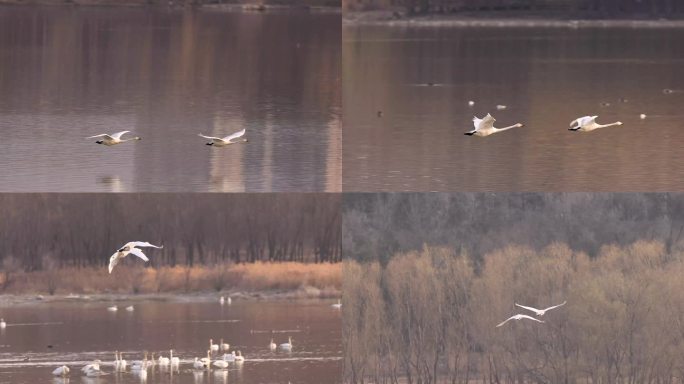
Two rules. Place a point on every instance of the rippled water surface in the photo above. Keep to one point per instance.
(77, 333)
(167, 75)
(422, 79)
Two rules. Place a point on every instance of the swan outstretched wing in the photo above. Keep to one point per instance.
(506, 321)
(139, 253)
(143, 244)
(214, 139)
(234, 135)
(486, 122)
(113, 261)
(118, 135)
(535, 310)
(105, 135)
(530, 317)
(555, 306)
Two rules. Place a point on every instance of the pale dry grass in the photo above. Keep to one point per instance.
(310, 279)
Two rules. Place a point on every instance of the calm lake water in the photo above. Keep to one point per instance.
(167, 75)
(545, 77)
(81, 332)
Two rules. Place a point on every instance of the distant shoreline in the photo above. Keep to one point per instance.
(11, 300)
(322, 6)
(394, 19)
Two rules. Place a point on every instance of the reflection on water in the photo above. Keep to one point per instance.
(167, 75)
(422, 79)
(75, 334)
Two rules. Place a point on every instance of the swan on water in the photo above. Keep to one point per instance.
(519, 317)
(213, 347)
(130, 248)
(174, 360)
(3, 324)
(230, 139)
(130, 308)
(541, 312)
(485, 126)
(287, 346)
(113, 139)
(239, 358)
(224, 346)
(61, 371)
(272, 346)
(642, 116)
(337, 305)
(220, 364)
(471, 103)
(198, 364)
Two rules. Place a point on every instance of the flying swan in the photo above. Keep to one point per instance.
(222, 142)
(113, 139)
(519, 317)
(540, 312)
(588, 124)
(130, 248)
(485, 126)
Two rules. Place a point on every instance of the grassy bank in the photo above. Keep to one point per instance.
(294, 279)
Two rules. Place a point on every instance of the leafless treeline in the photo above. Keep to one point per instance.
(596, 8)
(376, 226)
(430, 317)
(39, 231)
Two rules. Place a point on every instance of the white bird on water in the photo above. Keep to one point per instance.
(337, 305)
(230, 139)
(224, 346)
(3, 324)
(485, 126)
(239, 358)
(588, 124)
(174, 360)
(272, 346)
(541, 312)
(130, 248)
(213, 347)
(287, 346)
(198, 364)
(130, 308)
(113, 308)
(113, 139)
(61, 371)
(519, 317)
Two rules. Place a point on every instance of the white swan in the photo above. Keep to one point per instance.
(130, 308)
(198, 364)
(485, 126)
(222, 142)
(119, 363)
(224, 346)
(239, 358)
(588, 124)
(287, 346)
(471, 103)
(213, 347)
(113, 308)
(229, 300)
(541, 312)
(130, 248)
(3, 325)
(61, 371)
(140, 364)
(222, 300)
(113, 139)
(163, 361)
(338, 305)
(519, 317)
(174, 360)
(230, 357)
(272, 346)
(642, 116)
(95, 365)
(220, 364)
(501, 107)
(207, 360)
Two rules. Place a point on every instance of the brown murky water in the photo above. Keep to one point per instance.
(545, 77)
(82, 332)
(167, 75)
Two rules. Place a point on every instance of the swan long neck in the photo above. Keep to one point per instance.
(506, 128)
(608, 125)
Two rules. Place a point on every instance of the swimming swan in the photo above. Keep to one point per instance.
(61, 371)
(287, 346)
(128, 248)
